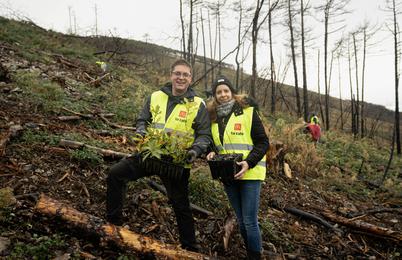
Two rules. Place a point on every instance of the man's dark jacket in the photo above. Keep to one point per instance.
(201, 124)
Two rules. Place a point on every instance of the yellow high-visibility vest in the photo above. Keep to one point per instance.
(314, 120)
(181, 119)
(237, 139)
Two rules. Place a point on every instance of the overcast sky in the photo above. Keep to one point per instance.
(159, 22)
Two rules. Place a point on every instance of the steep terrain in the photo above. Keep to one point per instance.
(46, 77)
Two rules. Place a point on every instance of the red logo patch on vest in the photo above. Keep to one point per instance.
(237, 127)
(182, 114)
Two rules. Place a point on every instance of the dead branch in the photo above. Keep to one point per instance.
(78, 116)
(64, 61)
(104, 152)
(162, 189)
(375, 211)
(116, 125)
(69, 118)
(122, 237)
(365, 227)
(96, 82)
(229, 226)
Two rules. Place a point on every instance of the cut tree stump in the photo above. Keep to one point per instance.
(122, 237)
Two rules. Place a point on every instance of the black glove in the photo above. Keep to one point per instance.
(191, 155)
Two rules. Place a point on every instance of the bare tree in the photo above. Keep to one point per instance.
(394, 8)
(318, 87)
(205, 53)
(272, 6)
(210, 47)
(357, 111)
(96, 21)
(183, 30)
(217, 7)
(239, 7)
(303, 9)
(254, 39)
(331, 9)
(368, 32)
(351, 90)
(338, 56)
(293, 52)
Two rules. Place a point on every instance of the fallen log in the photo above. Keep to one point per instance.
(104, 152)
(122, 237)
(365, 227)
(194, 207)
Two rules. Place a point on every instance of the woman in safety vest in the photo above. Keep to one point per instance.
(237, 128)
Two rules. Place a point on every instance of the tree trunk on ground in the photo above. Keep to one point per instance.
(122, 237)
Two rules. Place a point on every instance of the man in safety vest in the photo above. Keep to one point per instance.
(172, 116)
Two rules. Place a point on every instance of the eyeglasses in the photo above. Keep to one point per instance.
(181, 74)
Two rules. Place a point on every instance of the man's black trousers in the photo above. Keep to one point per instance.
(128, 169)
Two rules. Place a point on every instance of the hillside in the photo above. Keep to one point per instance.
(51, 89)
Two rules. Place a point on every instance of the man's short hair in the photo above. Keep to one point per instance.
(181, 62)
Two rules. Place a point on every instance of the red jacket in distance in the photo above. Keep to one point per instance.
(315, 131)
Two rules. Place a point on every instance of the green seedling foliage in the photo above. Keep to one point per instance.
(157, 143)
(39, 247)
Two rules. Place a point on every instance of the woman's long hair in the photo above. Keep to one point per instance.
(241, 99)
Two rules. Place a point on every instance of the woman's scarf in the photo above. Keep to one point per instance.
(224, 109)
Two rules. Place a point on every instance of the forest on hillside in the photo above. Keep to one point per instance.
(64, 121)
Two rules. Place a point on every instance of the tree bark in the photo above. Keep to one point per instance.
(122, 237)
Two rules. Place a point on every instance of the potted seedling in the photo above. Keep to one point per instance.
(161, 152)
(223, 166)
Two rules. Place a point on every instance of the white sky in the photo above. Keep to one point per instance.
(160, 20)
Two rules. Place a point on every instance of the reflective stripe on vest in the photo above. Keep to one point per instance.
(237, 139)
(181, 119)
